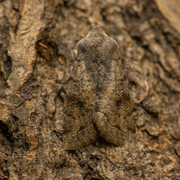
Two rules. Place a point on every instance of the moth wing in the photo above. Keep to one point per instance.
(79, 129)
(113, 115)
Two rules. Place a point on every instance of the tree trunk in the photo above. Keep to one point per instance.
(37, 51)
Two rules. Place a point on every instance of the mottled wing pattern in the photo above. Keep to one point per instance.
(98, 99)
(113, 112)
(79, 126)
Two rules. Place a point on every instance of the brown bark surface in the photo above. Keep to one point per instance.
(37, 51)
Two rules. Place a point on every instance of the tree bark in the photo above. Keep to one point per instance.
(37, 51)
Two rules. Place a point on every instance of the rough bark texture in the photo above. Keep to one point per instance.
(37, 50)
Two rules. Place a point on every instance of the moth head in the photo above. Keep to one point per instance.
(98, 45)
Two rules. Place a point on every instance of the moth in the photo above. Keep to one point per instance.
(98, 102)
